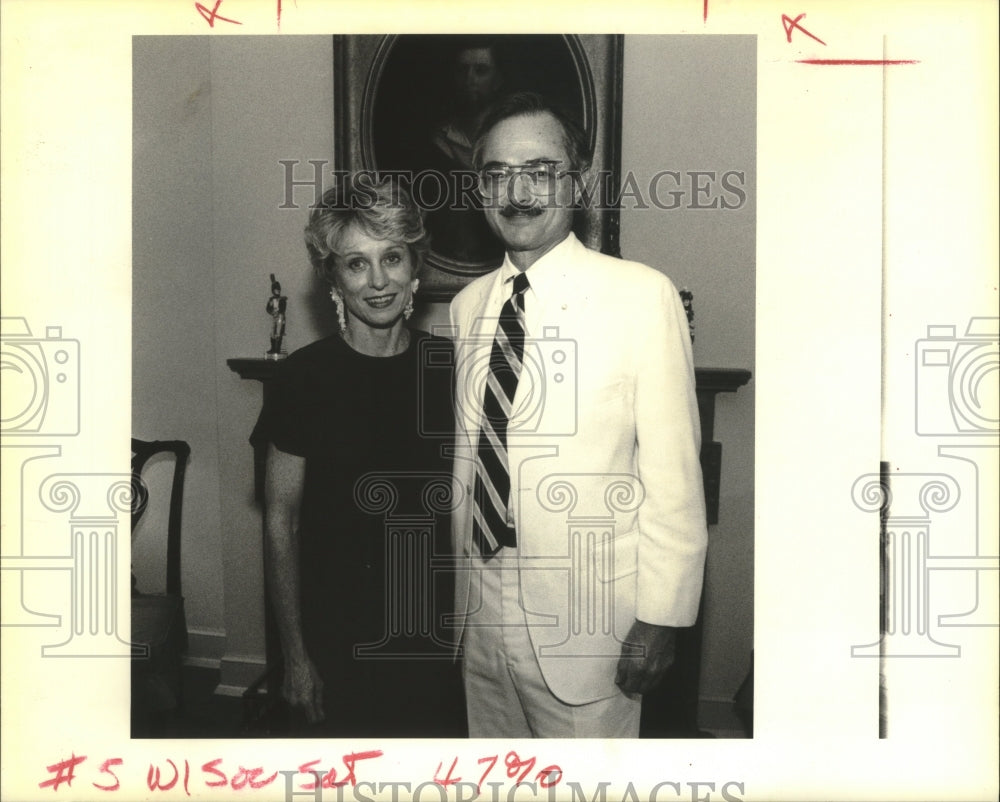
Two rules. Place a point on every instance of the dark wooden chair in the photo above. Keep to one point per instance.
(159, 628)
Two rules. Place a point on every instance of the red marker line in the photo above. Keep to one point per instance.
(878, 62)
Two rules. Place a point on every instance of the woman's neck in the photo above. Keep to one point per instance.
(377, 342)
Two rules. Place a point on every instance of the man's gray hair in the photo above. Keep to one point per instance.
(526, 104)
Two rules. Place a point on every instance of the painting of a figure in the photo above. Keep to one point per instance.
(412, 104)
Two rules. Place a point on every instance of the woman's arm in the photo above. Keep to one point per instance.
(285, 478)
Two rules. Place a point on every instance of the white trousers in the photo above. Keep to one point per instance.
(506, 694)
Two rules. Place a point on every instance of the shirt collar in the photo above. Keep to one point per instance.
(546, 275)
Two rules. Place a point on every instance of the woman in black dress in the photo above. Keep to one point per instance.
(359, 487)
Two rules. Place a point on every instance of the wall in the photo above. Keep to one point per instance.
(174, 362)
(213, 118)
(689, 104)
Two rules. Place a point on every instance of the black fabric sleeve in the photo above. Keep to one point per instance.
(282, 418)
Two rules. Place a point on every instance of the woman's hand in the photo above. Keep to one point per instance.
(302, 687)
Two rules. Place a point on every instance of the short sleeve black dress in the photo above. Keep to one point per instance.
(375, 568)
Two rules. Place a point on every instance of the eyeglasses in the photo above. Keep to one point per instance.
(541, 175)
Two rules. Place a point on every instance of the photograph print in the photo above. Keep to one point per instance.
(249, 348)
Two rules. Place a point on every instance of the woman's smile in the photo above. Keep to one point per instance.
(381, 301)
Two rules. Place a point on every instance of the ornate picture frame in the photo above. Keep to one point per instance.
(392, 98)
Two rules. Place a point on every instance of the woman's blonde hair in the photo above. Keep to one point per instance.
(379, 205)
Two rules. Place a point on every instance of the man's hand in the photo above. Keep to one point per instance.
(302, 687)
(647, 653)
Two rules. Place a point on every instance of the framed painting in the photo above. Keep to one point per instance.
(409, 104)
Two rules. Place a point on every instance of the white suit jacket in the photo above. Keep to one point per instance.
(603, 444)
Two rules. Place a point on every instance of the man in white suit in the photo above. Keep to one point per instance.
(569, 614)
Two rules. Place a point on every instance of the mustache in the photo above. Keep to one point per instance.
(517, 210)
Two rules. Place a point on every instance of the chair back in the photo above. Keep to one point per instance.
(142, 451)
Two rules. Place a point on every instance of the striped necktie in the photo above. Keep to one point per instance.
(490, 529)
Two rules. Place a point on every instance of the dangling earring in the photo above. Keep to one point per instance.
(338, 301)
(408, 309)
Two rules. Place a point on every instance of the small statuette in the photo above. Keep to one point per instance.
(276, 309)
